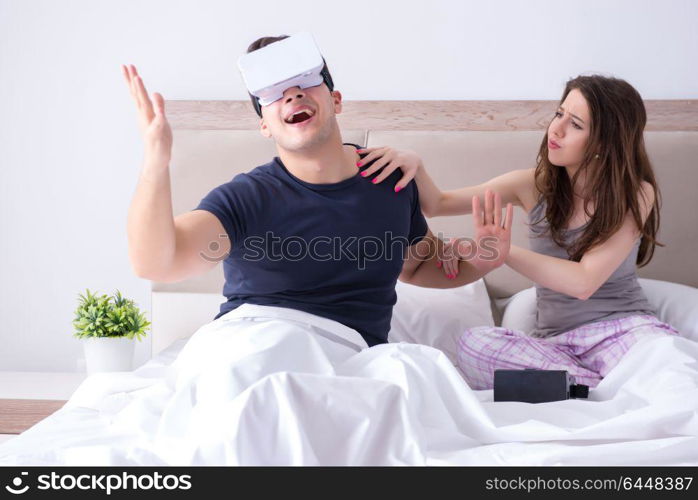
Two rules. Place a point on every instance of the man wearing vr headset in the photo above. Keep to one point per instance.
(313, 193)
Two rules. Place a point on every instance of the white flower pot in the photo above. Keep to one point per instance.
(108, 354)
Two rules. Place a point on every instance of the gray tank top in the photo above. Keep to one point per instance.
(557, 313)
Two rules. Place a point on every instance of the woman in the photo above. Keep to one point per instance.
(593, 210)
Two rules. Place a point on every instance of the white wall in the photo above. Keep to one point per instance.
(70, 150)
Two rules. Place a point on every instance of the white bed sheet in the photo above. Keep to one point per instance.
(266, 385)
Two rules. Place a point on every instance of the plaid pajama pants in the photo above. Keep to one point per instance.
(588, 352)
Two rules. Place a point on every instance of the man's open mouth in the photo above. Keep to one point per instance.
(300, 116)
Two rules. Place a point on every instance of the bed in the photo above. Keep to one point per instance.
(405, 402)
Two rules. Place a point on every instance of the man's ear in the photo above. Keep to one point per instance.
(337, 100)
(263, 129)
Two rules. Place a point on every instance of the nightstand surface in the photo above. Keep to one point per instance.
(28, 397)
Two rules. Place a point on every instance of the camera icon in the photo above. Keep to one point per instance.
(17, 483)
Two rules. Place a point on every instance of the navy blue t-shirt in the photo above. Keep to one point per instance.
(334, 250)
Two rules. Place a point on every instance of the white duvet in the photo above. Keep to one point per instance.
(270, 386)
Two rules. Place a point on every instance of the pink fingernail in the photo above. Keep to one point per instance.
(374, 180)
(397, 188)
(364, 174)
(358, 163)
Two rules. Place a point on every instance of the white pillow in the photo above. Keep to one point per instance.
(675, 304)
(520, 311)
(437, 317)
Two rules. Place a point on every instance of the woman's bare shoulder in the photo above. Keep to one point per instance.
(526, 188)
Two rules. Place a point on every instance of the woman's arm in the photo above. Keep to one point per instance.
(582, 279)
(516, 187)
(431, 198)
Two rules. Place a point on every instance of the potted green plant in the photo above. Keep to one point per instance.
(108, 325)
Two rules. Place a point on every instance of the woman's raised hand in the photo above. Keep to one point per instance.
(492, 242)
(492, 231)
(156, 131)
(388, 159)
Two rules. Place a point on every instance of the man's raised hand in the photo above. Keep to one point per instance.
(156, 131)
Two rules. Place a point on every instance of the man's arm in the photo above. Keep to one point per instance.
(150, 225)
(487, 252)
(166, 248)
(420, 266)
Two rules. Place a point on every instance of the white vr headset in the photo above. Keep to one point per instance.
(292, 62)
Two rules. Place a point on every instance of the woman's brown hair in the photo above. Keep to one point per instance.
(613, 178)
